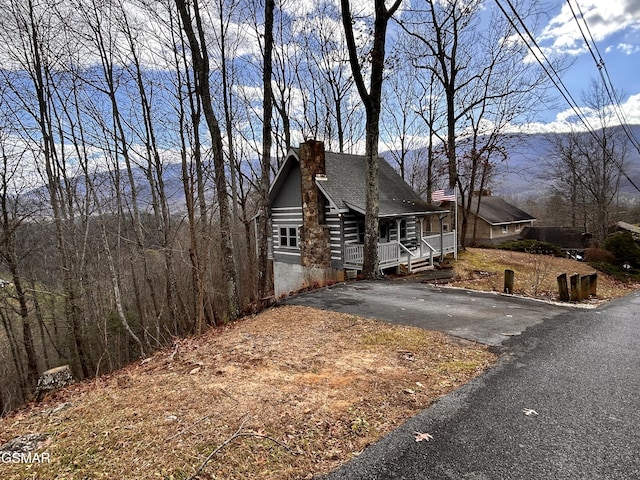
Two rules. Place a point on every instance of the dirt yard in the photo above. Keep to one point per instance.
(535, 275)
(287, 394)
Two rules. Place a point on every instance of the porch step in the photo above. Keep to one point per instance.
(417, 266)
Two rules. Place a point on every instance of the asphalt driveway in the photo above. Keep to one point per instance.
(562, 403)
(488, 318)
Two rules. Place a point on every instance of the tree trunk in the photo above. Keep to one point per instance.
(264, 288)
(372, 102)
(200, 59)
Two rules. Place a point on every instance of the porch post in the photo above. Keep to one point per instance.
(398, 249)
(441, 218)
(420, 236)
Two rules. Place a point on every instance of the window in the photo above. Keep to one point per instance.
(361, 231)
(289, 237)
(505, 228)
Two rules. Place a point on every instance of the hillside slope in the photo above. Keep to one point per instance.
(294, 391)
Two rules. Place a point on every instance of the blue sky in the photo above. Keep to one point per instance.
(615, 27)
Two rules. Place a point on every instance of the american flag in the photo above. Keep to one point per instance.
(448, 195)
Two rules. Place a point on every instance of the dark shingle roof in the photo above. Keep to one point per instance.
(345, 186)
(496, 211)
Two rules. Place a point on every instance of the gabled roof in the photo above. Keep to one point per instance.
(628, 227)
(496, 211)
(344, 185)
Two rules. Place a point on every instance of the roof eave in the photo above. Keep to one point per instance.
(276, 184)
(332, 203)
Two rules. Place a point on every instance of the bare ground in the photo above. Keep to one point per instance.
(304, 390)
(287, 394)
(535, 275)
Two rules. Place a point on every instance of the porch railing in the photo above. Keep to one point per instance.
(392, 253)
(388, 254)
(448, 243)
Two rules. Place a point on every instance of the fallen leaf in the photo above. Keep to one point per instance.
(423, 436)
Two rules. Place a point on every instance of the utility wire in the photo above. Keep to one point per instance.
(555, 78)
(543, 61)
(604, 74)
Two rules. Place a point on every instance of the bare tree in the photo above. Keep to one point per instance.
(404, 129)
(194, 30)
(37, 52)
(12, 214)
(590, 164)
(372, 98)
(325, 82)
(563, 170)
(486, 84)
(265, 159)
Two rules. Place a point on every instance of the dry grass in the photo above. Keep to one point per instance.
(305, 389)
(308, 389)
(535, 275)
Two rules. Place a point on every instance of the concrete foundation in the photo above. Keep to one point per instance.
(290, 278)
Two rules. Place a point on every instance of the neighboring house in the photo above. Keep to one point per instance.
(625, 227)
(317, 207)
(495, 220)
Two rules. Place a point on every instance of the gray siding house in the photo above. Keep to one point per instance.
(495, 220)
(317, 206)
(492, 220)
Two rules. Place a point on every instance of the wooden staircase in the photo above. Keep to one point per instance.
(416, 266)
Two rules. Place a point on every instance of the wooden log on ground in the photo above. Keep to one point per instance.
(563, 287)
(574, 281)
(54, 379)
(509, 280)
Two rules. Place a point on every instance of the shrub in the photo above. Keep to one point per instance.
(599, 255)
(617, 272)
(624, 248)
(531, 246)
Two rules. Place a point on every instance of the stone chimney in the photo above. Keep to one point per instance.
(315, 243)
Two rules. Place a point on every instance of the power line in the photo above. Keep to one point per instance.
(604, 74)
(556, 80)
(544, 62)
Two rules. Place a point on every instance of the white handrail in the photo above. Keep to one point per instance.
(407, 250)
(428, 245)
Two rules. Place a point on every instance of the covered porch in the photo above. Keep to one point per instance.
(413, 255)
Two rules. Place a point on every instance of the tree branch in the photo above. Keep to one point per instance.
(238, 433)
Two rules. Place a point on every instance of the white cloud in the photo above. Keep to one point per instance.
(567, 120)
(603, 19)
(631, 109)
(628, 49)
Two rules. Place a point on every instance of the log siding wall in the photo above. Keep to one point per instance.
(285, 217)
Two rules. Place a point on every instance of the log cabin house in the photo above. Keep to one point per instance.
(317, 207)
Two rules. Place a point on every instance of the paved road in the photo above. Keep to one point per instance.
(488, 318)
(579, 371)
